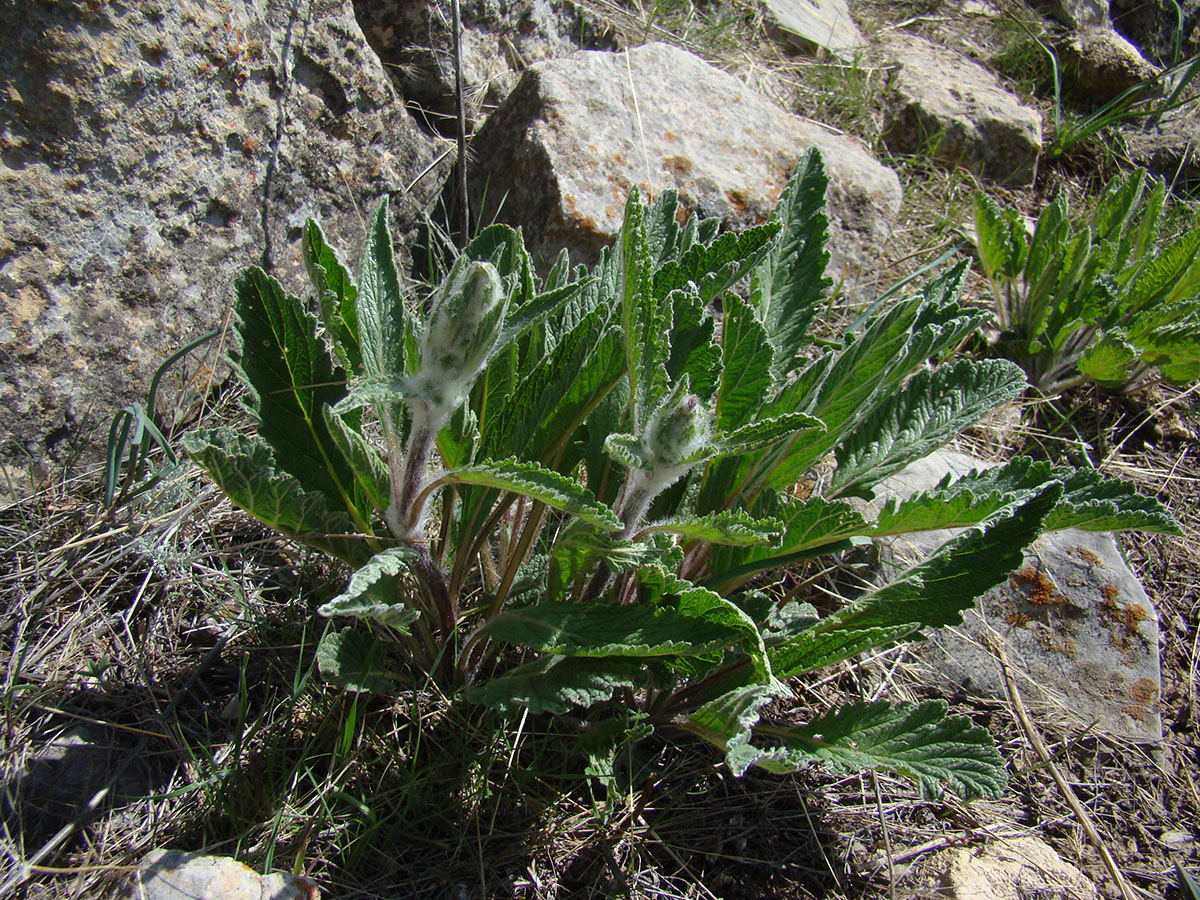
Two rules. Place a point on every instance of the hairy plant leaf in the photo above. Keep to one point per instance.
(544, 485)
(643, 317)
(246, 471)
(809, 524)
(384, 324)
(933, 407)
(337, 295)
(916, 740)
(761, 433)
(1089, 501)
(714, 267)
(931, 594)
(371, 474)
(291, 377)
(728, 721)
(735, 528)
(375, 591)
(557, 684)
(789, 283)
(693, 353)
(354, 660)
(1110, 361)
(581, 548)
(746, 376)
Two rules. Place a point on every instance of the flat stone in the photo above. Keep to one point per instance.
(1079, 631)
(809, 25)
(562, 153)
(954, 109)
(151, 150)
(1013, 869)
(175, 875)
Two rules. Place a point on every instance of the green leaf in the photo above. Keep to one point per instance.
(811, 524)
(375, 591)
(1000, 244)
(746, 377)
(354, 660)
(384, 324)
(932, 408)
(916, 740)
(544, 485)
(727, 722)
(789, 283)
(581, 548)
(371, 474)
(1089, 501)
(761, 433)
(643, 317)
(1110, 361)
(558, 684)
(735, 528)
(931, 594)
(548, 404)
(693, 353)
(337, 295)
(627, 450)
(291, 377)
(246, 471)
(717, 266)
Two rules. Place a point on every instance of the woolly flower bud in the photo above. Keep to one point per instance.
(463, 328)
(677, 430)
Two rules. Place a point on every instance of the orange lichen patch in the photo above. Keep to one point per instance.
(1135, 712)
(677, 165)
(1066, 646)
(1110, 592)
(1019, 619)
(1041, 589)
(1086, 555)
(738, 201)
(1127, 615)
(1143, 691)
(670, 137)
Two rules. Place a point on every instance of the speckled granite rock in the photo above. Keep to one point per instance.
(562, 153)
(150, 150)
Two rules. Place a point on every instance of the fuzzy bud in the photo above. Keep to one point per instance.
(677, 430)
(461, 333)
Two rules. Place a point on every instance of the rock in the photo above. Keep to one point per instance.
(578, 133)
(149, 151)
(1152, 26)
(808, 25)
(1169, 148)
(1078, 13)
(957, 111)
(174, 875)
(1101, 64)
(1079, 630)
(1013, 869)
(415, 40)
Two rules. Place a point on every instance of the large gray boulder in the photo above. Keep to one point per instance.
(150, 150)
(954, 109)
(1101, 64)
(561, 154)
(1078, 629)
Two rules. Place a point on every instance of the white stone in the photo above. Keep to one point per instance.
(809, 24)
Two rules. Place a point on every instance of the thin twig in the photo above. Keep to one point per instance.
(1035, 740)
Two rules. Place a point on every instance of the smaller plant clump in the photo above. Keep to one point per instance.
(1104, 300)
(567, 495)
